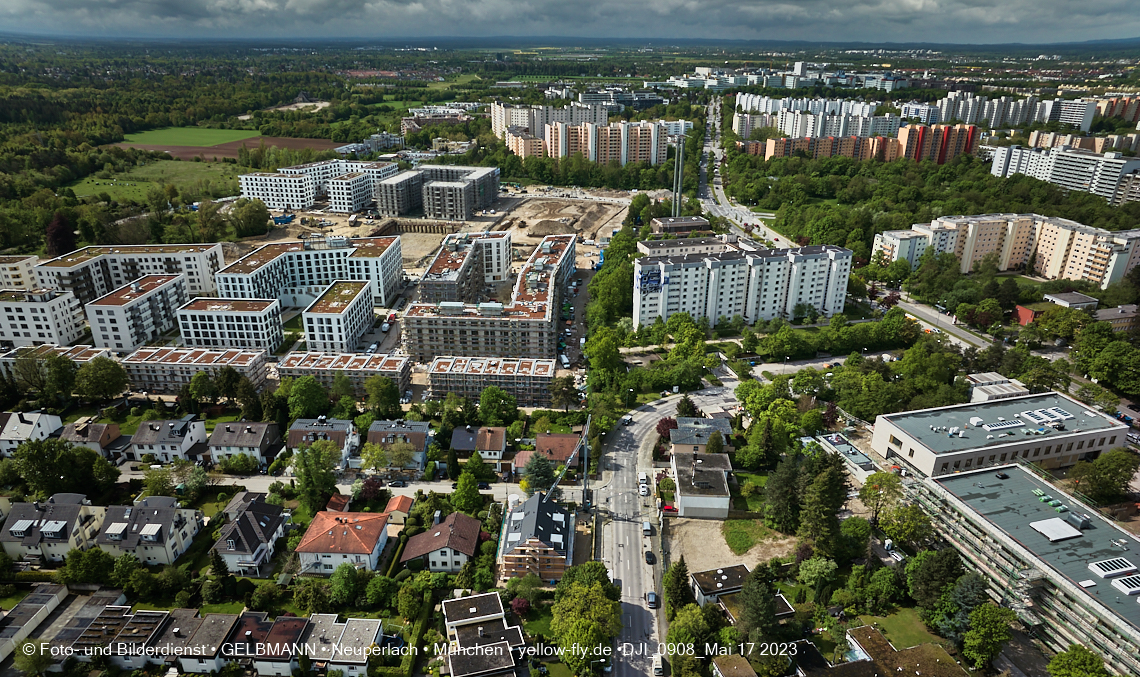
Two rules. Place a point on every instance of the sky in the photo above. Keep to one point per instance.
(912, 21)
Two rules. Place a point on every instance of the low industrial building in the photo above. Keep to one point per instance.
(527, 380)
(166, 370)
(990, 386)
(249, 324)
(336, 320)
(1049, 429)
(357, 366)
(39, 316)
(538, 539)
(138, 313)
(702, 485)
(678, 224)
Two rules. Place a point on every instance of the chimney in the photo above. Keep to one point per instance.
(480, 630)
(436, 520)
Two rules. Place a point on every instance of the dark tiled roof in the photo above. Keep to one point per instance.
(489, 632)
(252, 628)
(254, 525)
(482, 439)
(284, 636)
(310, 429)
(490, 659)
(416, 432)
(540, 520)
(213, 631)
(458, 532)
(245, 434)
(57, 514)
(90, 432)
(154, 517)
(163, 432)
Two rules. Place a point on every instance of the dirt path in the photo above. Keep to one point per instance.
(704, 548)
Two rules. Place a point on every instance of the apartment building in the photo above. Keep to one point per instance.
(762, 284)
(350, 193)
(535, 118)
(336, 320)
(1070, 573)
(938, 143)
(258, 440)
(1122, 318)
(92, 272)
(296, 273)
(279, 191)
(17, 427)
(539, 540)
(901, 244)
(465, 265)
(926, 113)
(138, 313)
(624, 142)
(528, 380)
(1071, 169)
(52, 528)
(79, 354)
(454, 193)
(400, 194)
(18, 272)
(804, 124)
(682, 247)
(34, 317)
(522, 143)
(156, 530)
(166, 370)
(744, 123)
(181, 440)
(251, 324)
(527, 327)
(357, 366)
(306, 431)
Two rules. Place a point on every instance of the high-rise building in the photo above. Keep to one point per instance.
(622, 141)
(137, 313)
(535, 118)
(1069, 168)
(757, 285)
(926, 113)
(92, 272)
(939, 143)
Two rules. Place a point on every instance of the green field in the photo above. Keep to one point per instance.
(191, 136)
(133, 185)
(903, 628)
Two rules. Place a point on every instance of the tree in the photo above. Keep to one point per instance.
(528, 587)
(1106, 479)
(60, 236)
(249, 217)
(665, 425)
(373, 456)
(539, 473)
(315, 468)
(383, 396)
(675, 583)
(497, 407)
(381, 591)
(757, 605)
(1077, 661)
(817, 571)
(819, 521)
(907, 524)
(202, 388)
(227, 380)
(989, 629)
(264, 596)
(781, 497)
(125, 566)
(408, 602)
(344, 585)
(39, 462)
(564, 392)
(686, 408)
(715, 444)
(312, 596)
(584, 618)
(218, 566)
(307, 398)
(341, 386)
(466, 496)
(33, 657)
(880, 490)
(159, 482)
(477, 468)
(930, 573)
(688, 627)
(100, 379)
(587, 574)
(91, 566)
(453, 468)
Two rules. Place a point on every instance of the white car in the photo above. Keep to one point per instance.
(643, 490)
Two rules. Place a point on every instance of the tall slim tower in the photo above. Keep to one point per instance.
(679, 175)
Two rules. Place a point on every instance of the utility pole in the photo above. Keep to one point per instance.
(679, 176)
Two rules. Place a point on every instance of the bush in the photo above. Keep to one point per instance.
(34, 576)
(7, 590)
(416, 565)
(241, 464)
(402, 576)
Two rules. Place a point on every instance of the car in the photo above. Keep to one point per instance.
(651, 598)
(643, 490)
(385, 327)
(627, 420)
(650, 558)
(397, 483)
(455, 485)
(483, 486)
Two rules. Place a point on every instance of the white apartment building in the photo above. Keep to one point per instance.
(279, 191)
(801, 124)
(169, 440)
(744, 123)
(1072, 169)
(137, 313)
(349, 193)
(39, 316)
(758, 285)
(926, 113)
(326, 170)
(297, 272)
(338, 318)
(92, 272)
(1058, 248)
(231, 323)
(18, 272)
(757, 103)
(535, 118)
(166, 370)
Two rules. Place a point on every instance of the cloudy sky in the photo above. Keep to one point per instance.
(941, 21)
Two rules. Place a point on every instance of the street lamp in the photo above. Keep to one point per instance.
(785, 366)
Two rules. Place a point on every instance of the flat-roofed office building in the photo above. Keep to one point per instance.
(231, 323)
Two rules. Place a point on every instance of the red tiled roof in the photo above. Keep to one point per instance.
(400, 504)
(345, 532)
(458, 532)
(338, 503)
(556, 447)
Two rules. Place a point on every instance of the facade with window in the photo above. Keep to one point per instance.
(92, 272)
(52, 528)
(39, 316)
(155, 530)
(334, 538)
(166, 370)
(447, 545)
(338, 318)
(137, 313)
(251, 324)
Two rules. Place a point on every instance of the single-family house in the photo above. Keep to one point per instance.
(692, 434)
(156, 530)
(281, 647)
(248, 639)
(240, 502)
(702, 484)
(98, 437)
(732, 665)
(447, 545)
(259, 440)
(248, 542)
(386, 433)
(539, 539)
(210, 638)
(334, 538)
(306, 431)
(338, 503)
(398, 509)
(490, 443)
(17, 427)
(50, 529)
(352, 656)
(323, 637)
(558, 448)
(709, 585)
(168, 440)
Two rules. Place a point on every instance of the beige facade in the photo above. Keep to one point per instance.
(524, 144)
(527, 380)
(17, 272)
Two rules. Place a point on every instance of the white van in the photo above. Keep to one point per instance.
(642, 478)
(646, 529)
(658, 665)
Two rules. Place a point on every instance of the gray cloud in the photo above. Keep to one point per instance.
(959, 21)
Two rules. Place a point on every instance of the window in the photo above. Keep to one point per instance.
(1037, 450)
(1003, 458)
(1080, 445)
(895, 441)
(1112, 440)
(1101, 442)
(1068, 448)
(945, 467)
(910, 453)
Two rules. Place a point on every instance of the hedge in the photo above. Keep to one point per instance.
(35, 576)
(408, 661)
(395, 563)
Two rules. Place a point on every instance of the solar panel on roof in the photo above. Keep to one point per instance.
(1003, 425)
(1129, 585)
(1060, 413)
(1110, 568)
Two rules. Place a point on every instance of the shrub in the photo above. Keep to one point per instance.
(416, 565)
(402, 576)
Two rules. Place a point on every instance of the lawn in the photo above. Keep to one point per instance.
(12, 600)
(559, 670)
(755, 502)
(212, 423)
(741, 535)
(223, 608)
(294, 323)
(903, 628)
(134, 184)
(538, 620)
(191, 136)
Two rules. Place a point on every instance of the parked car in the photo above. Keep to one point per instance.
(651, 598)
(644, 490)
(650, 558)
(397, 483)
(483, 486)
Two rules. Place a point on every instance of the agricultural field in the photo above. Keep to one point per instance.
(191, 136)
(135, 184)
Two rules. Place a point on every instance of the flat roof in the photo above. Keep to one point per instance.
(87, 253)
(16, 259)
(199, 357)
(338, 297)
(700, 479)
(79, 353)
(1006, 419)
(344, 362)
(23, 295)
(492, 366)
(135, 290)
(218, 305)
(725, 579)
(466, 609)
(1011, 507)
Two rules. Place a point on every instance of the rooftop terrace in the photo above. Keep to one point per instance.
(216, 305)
(338, 297)
(87, 253)
(198, 357)
(491, 366)
(345, 361)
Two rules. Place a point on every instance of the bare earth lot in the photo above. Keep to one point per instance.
(704, 548)
(230, 150)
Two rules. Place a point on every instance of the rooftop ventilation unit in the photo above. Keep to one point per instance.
(1111, 568)
(1079, 521)
(1129, 585)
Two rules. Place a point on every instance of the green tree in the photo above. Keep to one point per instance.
(584, 618)
(264, 596)
(341, 386)
(202, 388)
(688, 627)
(315, 467)
(931, 573)
(477, 468)
(675, 584)
(38, 462)
(539, 473)
(817, 571)
(307, 398)
(989, 629)
(373, 456)
(781, 497)
(880, 490)
(564, 392)
(757, 605)
(907, 524)
(249, 217)
(312, 596)
(100, 379)
(381, 591)
(91, 566)
(218, 566)
(715, 444)
(497, 407)
(1077, 661)
(466, 496)
(587, 574)
(344, 586)
(1106, 479)
(408, 602)
(125, 566)
(823, 499)
(453, 468)
(686, 408)
(159, 482)
(383, 396)
(33, 657)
